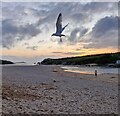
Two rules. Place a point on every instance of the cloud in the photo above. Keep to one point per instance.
(109, 40)
(78, 49)
(32, 47)
(57, 52)
(79, 18)
(8, 27)
(13, 33)
(26, 20)
(8, 41)
(49, 16)
(41, 41)
(96, 7)
(74, 53)
(76, 34)
(26, 44)
(69, 53)
(105, 33)
(105, 25)
(29, 29)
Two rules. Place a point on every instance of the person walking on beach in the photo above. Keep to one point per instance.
(95, 72)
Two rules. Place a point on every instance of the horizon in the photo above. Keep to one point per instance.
(61, 57)
(27, 29)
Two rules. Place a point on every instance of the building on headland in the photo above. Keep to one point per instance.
(118, 63)
(111, 65)
(93, 64)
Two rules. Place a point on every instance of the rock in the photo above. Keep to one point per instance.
(55, 70)
(51, 111)
(54, 81)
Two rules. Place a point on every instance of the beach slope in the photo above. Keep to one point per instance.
(50, 90)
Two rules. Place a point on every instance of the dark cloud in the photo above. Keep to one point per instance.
(13, 33)
(83, 32)
(41, 41)
(79, 17)
(104, 34)
(74, 53)
(69, 53)
(50, 16)
(73, 36)
(57, 52)
(8, 27)
(29, 29)
(105, 25)
(76, 34)
(76, 11)
(16, 11)
(109, 40)
(26, 44)
(32, 47)
(8, 41)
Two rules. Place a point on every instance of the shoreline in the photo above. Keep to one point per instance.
(50, 90)
(112, 78)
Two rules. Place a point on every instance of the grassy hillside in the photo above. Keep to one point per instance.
(5, 62)
(100, 59)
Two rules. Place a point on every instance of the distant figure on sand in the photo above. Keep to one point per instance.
(59, 28)
(95, 72)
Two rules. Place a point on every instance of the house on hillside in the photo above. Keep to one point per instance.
(118, 62)
(93, 64)
(111, 65)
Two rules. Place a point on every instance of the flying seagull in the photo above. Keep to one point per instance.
(59, 28)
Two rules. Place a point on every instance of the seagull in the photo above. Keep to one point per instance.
(59, 28)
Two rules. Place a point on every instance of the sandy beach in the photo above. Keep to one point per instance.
(50, 90)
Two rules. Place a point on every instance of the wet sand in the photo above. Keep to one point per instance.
(51, 90)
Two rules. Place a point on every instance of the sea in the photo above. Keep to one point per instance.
(91, 70)
(79, 69)
(18, 64)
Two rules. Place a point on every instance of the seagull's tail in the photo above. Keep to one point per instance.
(64, 27)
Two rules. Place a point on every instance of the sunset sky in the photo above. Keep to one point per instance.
(27, 28)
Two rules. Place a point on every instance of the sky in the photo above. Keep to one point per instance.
(27, 28)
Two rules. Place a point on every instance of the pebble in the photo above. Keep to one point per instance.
(56, 101)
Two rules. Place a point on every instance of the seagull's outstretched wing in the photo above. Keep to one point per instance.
(59, 24)
(64, 27)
